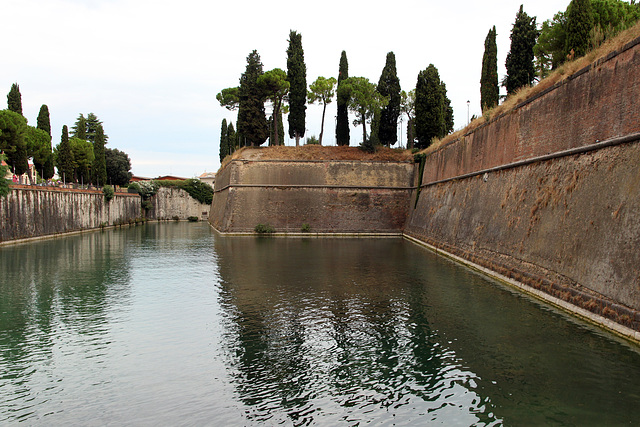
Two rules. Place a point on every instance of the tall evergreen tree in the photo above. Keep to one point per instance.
(519, 64)
(99, 163)
(14, 99)
(579, 25)
(224, 143)
(79, 129)
(447, 111)
(430, 111)
(389, 86)
(342, 119)
(489, 90)
(297, 77)
(232, 138)
(64, 159)
(44, 121)
(252, 122)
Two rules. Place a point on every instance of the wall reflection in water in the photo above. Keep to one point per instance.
(361, 330)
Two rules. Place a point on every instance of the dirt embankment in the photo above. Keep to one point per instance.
(319, 152)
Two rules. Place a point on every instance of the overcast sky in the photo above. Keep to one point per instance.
(150, 69)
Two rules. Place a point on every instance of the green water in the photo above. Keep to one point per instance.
(171, 324)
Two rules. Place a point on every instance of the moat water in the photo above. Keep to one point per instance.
(172, 324)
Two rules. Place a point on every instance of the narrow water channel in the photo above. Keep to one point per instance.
(172, 324)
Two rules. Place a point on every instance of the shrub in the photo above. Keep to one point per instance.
(193, 219)
(147, 205)
(108, 192)
(197, 189)
(312, 140)
(306, 228)
(264, 229)
(176, 218)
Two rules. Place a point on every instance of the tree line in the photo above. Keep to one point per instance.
(378, 105)
(536, 52)
(81, 158)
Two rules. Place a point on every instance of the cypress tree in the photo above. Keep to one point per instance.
(489, 91)
(79, 129)
(224, 140)
(64, 161)
(430, 111)
(232, 139)
(447, 111)
(519, 64)
(389, 86)
(252, 122)
(579, 25)
(99, 162)
(297, 77)
(14, 99)
(342, 120)
(43, 121)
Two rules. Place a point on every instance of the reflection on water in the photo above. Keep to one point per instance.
(172, 324)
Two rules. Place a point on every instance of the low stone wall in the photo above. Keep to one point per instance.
(329, 196)
(171, 203)
(29, 211)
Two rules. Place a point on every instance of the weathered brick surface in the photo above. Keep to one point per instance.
(568, 226)
(33, 211)
(332, 196)
(599, 103)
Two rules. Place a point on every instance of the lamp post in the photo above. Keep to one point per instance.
(468, 103)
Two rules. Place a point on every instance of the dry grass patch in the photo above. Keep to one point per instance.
(319, 152)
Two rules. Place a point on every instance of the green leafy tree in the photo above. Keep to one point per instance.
(13, 129)
(4, 183)
(118, 166)
(252, 122)
(229, 98)
(297, 77)
(489, 90)
(93, 125)
(363, 99)
(519, 64)
(43, 122)
(549, 50)
(275, 86)
(609, 18)
(224, 143)
(14, 99)
(342, 119)
(447, 111)
(389, 87)
(83, 158)
(39, 148)
(429, 107)
(99, 168)
(322, 90)
(64, 157)
(408, 107)
(579, 25)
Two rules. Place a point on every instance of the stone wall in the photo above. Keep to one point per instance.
(171, 203)
(567, 223)
(29, 211)
(329, 196)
